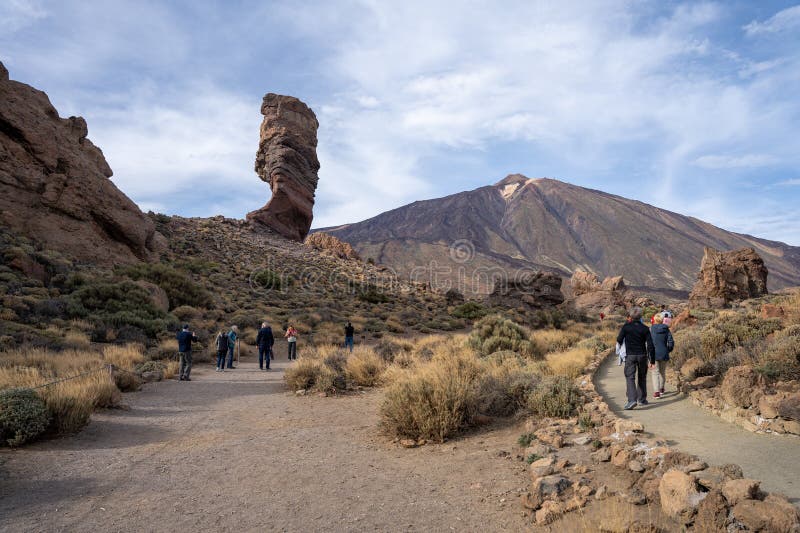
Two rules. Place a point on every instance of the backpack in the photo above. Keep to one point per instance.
(222, 342)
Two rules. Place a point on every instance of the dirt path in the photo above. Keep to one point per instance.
(236, 452)
(773, 459)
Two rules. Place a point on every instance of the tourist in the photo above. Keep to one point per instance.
(221, 343)
(185, 338)
(638, 348)
(264, 341)
(349, 332)
(663, 343)
(291, 337)
(232, 338)
(667, 317)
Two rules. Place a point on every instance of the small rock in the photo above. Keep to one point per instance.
(695, 466)
(300, 392)
(712, 513)
(602, 493)
(622, 426)
(636, 497)
(549, 512)
(772, 514)
(679, 495)
(603, 455)
(635, 466)
(561, 464)
(541, 467)
(408, 443)
(736, 490)
(620, 457)
(582, 441)
(580, 469)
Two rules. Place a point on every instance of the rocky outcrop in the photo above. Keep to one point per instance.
(287, 160)
(329, 244)
(54, 186)
(534, 290)
(726, 277)
(589, 294)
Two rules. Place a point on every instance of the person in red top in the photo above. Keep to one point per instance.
(291, 337)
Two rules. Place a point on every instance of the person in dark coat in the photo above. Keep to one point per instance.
(185, 338)
(663, 343)
(349, 333)
(639, 350)
(264, 340)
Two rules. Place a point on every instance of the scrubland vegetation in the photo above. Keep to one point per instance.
(741, 336)
(439, 385)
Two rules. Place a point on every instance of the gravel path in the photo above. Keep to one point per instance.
(234, 451)
(773, 459)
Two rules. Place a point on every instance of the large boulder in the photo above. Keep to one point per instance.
(287, 160)
(55, 187)
(591, 295)
(738, 386)
(726, 277)
(772, 515)
(583, 282)
(535, 290)
(679, 495)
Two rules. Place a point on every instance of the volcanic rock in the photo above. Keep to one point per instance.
(589, 294)
(287, 160)
(726, 277)
(327, 243)
(535, 290)
(54, 186)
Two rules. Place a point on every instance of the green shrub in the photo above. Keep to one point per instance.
(525, 440)
(178, 286)
(372, 295)
(23, 416)
(469, 311)
(267, 279)
(780, 359)
(495, 333)
(555, 397)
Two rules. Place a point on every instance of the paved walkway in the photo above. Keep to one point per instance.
(773, 459)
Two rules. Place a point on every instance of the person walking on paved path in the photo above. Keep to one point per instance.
(291, 337)
(349, 332)
(264, 340)
(663, 343)
(639, 349)
(185, 338)
(232, 337)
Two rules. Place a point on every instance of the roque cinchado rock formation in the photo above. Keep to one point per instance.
(729, 276)
(54, 185)
(287, 160)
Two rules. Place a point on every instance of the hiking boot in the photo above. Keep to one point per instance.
(662, 390)
(643, 402)
(187, 379)
(656, 395)
(629, 406)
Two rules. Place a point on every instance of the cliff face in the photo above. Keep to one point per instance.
(287, 160)
(54, 185)
(522, 224)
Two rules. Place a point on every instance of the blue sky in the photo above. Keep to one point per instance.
(690, 106)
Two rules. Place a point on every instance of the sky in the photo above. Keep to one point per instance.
(689, 106)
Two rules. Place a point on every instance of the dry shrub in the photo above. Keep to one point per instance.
(505, 383)
(365, 367)
(556, 340)
(570, 363)
(556, 397)
(495, 333)
(248, 336)
(388, 348)
(77, 339)
(166, 349)
(322, 369)
(171, 369)
(435, 400)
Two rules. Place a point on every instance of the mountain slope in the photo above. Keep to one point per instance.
(522, 223)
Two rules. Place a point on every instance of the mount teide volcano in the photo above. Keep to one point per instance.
(522, 223)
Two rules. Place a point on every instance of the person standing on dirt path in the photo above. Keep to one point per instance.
(185, 338)
(291, 338)
(349, 333)
(264, 340)
(663, 343)
(638, 349)
(222, 349)
(232, 336)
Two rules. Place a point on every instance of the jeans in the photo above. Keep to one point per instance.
(221, 358)
(659, 376)
(230, 355)
(348, 343)
(264, 354)
(292, 350)
(636, 377)
(186, 365)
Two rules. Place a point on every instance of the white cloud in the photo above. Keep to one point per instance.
(17, 14)
(794, 182)
(785, 20)
(734, 161)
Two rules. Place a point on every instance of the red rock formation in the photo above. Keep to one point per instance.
(287, 160)
(590, 295)
(54, 186)
(327, 243)
(729, 276)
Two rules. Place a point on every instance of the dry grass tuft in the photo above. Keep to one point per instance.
(569, 363)
(365, 367)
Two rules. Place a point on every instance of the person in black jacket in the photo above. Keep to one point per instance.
(185, 338)
(639, 350)
(264, 340)
(349, 332)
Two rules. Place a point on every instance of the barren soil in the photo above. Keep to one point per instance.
(235, 451)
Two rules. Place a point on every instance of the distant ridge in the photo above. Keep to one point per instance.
(523, 223)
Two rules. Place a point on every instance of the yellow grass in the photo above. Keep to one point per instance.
(123, 356)
(77, 339)
(171, 369)
(556, 340)
(365, 367)
(569, 363)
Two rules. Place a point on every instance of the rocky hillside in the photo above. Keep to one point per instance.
(520, 223)
(55, 186)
